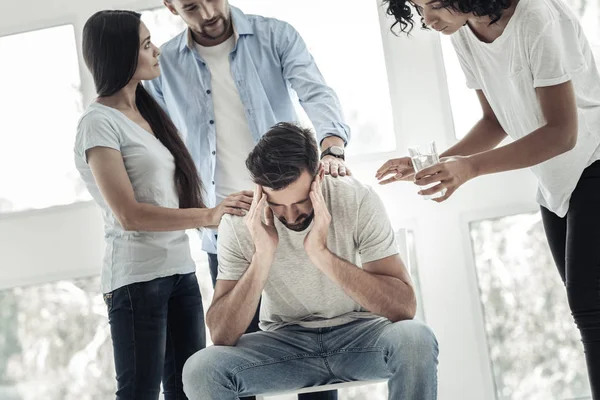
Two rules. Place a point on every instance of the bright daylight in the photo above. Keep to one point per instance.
(313, 200)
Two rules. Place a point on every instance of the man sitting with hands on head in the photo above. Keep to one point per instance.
(337, 301)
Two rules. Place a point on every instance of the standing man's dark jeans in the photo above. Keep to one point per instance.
(155, 327)
(213, 264)
(575, 244)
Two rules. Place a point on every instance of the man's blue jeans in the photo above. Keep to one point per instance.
(293, 357)
(213, 264)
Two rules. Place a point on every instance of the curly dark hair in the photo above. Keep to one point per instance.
(402, 12)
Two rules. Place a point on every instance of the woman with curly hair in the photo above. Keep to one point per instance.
(536, 79)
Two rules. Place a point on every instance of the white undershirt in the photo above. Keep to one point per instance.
(234, 139)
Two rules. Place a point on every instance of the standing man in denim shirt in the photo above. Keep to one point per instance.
(225, 82)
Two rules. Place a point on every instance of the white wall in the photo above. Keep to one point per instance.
(66, 241)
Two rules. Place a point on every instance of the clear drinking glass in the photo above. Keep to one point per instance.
(424, 156)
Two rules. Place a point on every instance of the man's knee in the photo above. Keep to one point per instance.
(413, 342)
(202, 368)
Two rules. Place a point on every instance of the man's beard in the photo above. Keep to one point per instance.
(300, 226)
(226, 24)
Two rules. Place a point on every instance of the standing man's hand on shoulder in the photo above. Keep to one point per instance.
(334, 163)
(264, 235)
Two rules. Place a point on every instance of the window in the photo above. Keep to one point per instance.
(41, 90)
(588, 12)
(533, 343)
(55, 342)
(162, 24)
(354, 67)
(466, 110)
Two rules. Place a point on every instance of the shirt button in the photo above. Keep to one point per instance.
(213, 182)
(211, 122)
(208, 91)
(214, 152)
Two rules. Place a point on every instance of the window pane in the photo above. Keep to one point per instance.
(360, 81)
(466, 110)
(41, 91)
(588, 12)
(55, 342)
(533, 342)
(162, 24)
(55, 339)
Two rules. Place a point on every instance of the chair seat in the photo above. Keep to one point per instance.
(322, 388)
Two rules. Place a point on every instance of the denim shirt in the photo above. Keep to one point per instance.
(268, 59)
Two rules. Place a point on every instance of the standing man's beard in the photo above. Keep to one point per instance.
(226, 25)
(305, 221)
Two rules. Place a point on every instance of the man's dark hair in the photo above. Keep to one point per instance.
(402, 12)
(282, 155)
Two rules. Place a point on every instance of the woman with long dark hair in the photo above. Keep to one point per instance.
(536, 79)
(138, 170)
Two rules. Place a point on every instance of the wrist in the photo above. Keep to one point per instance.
(264, 256)
(475, 162)
(319, 256)
(204, 217)
(332, 141)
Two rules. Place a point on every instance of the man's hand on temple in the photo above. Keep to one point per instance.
(264, 235)
(316, 240)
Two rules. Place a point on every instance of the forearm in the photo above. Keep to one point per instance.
(383, 295)
(151, 218)
(324, 111)
(229, 316)
(539, 146)
(484, 136)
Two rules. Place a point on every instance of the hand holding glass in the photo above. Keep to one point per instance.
(425, 156)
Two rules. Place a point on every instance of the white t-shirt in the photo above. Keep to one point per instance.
(296, 291)
(131, 256)
(542, 45)
(234, 139)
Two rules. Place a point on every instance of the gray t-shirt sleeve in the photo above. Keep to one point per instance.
(96, 130)
(376, 238)
(232, 263)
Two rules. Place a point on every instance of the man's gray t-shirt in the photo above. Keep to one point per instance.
(296, 291)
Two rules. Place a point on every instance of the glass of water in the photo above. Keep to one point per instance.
(424, 156)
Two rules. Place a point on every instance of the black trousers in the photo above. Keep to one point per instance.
(575, 245)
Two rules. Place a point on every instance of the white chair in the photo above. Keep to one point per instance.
(323, 388)
(403, 250)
